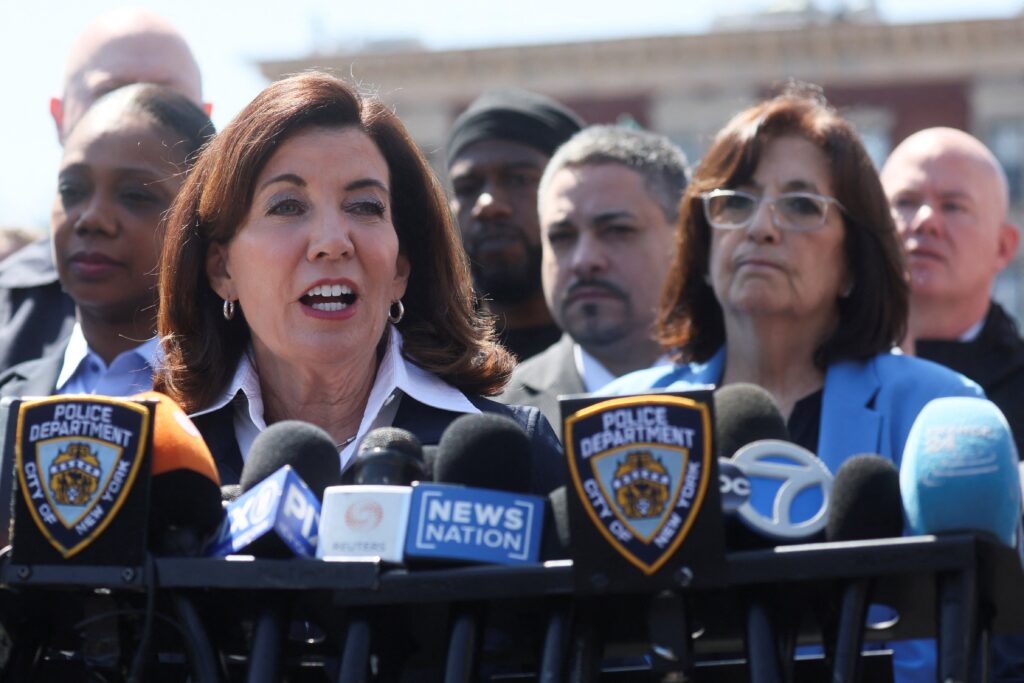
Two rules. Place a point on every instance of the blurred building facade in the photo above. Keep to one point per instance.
(889, 79)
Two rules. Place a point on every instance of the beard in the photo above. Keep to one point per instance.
(507, 282)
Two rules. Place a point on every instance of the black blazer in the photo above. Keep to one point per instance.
(548, 467)
(36, 316)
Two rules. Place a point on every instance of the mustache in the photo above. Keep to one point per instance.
(597, 283)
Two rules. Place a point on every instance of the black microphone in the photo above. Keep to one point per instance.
(367, 512)
(389, 456)
(746, 414)
(311, 453)
(866, 504)
(484, 451)
(308, 449)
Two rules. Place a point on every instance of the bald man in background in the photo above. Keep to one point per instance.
(950, 201)
(122, 47)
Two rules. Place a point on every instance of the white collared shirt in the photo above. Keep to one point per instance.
(594, 374)
(84, 372)
(395, 377)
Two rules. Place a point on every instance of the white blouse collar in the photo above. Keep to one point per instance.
(395, 376)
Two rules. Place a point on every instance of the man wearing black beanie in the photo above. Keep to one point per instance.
(496, 153)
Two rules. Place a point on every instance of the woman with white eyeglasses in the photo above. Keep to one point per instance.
(788, 274)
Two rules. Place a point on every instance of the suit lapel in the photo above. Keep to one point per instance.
(218, 430)
(43, 381)
(849, 423)
(559, 374)
(36, 378)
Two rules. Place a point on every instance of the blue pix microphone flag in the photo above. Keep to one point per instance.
(960, 471)
(281, 508)
(450, 522)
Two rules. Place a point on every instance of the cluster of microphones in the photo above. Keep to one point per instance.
(467, 501)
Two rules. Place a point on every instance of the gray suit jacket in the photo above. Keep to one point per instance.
(540, 380)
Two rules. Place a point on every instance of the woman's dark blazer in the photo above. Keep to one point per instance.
(548, 466)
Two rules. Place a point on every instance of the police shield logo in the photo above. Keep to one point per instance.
(641, 468)
(77, 458)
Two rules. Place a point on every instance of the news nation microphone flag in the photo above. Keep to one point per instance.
(645, 478)
(82, 468)
(451, 522)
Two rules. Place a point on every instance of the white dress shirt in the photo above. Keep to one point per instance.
(84, 372)
(594, 374)
(396, 377)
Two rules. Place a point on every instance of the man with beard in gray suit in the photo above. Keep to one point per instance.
(608, 203)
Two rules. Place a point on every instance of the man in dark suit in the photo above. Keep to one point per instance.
(950, 201)
(123, 47)
(608, 202)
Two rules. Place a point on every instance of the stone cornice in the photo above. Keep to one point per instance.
(834, 53)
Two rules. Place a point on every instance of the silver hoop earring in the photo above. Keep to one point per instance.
(229, 309)
(396, 317)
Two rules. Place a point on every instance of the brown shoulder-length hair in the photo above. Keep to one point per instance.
(873, 317)
(442, 331)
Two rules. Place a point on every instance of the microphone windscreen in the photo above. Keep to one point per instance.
(866, 500)
(959, 470)
(185, 489)
(486, 451)
(745, 413)
(392, 438)
(388, 455)
(309, 449)
(230, 492)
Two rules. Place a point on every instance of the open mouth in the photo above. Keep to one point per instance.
(329, 298)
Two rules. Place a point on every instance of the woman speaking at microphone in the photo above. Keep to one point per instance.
(788, 274)
(311, 270)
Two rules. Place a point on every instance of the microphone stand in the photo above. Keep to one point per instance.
(267, 642)
(556, 641)
(355, 657)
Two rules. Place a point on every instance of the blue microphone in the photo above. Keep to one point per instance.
(959, 473)
(448, 522)
(278, 513)
(279, 516)
(471, 515)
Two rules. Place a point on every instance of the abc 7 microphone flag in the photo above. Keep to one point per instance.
(647, 502)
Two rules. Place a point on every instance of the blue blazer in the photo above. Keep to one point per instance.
(867, 407)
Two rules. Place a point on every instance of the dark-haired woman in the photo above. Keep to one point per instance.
(312, 271)
(788, 274)
(123, 164)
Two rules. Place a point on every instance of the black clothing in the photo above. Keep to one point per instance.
(804, 422)
(548, 466)
(994, 359)
(36, 316)
(525, 342)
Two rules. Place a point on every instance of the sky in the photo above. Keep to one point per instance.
(229, 37)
